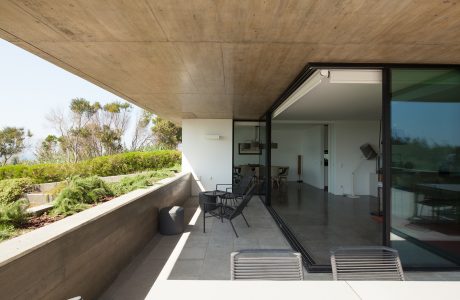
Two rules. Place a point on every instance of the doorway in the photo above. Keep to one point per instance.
(332, 122)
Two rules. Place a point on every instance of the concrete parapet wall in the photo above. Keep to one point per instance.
(82, 254)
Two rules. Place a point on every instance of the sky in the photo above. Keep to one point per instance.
(31, 87)
(436, 122)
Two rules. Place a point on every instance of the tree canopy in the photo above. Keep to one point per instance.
(12, 142)
(167, 135)
(88, 129)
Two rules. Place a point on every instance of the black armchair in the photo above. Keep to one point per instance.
(236, 191)
(231, 213)
(208, 204)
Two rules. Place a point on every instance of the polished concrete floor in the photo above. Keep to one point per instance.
(322, 221)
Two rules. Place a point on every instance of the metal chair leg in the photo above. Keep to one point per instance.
(233, 228)
(204, 221)
(245, 219)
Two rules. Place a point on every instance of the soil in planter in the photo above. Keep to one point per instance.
(39, 221)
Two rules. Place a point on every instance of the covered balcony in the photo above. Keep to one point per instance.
(204, 64)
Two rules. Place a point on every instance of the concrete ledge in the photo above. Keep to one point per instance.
(82, 254)
(333, 290)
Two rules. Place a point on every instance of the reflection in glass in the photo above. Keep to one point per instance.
(425, 166)
(247, 149)
(262, 160)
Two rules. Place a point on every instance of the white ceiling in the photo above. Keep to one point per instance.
(337, 102)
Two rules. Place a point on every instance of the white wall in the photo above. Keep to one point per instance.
(345, 156)
(210, 161)
(299, 139)
(313, 156)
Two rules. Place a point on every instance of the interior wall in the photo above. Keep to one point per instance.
(313, 156)
(209, 160)
(243, 134)
(346, 157)
(299, 139)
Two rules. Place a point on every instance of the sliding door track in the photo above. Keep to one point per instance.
(308, 261)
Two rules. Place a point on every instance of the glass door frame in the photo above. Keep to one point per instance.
(233, 141)
(306, 72)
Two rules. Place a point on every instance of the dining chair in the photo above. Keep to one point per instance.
(283, 175)
(275, 172)
(366, 263)
(266, 264)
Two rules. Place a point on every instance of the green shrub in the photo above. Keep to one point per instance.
(129, 184)
(13, 213)
(140, 181)
(13, 189)
(117, 164)
(79, 194)
(58, 188)
(6, 231)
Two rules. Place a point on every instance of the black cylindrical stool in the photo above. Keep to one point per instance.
(171, 220)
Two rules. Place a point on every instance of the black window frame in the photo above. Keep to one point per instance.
(306, 72)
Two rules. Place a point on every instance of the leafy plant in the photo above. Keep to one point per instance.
(79, 194)
(14, 189)
(11, 142)
(141, 181)
(6, 231)
(13, 213)
(129, 184)
(124, 163)
(167, 135)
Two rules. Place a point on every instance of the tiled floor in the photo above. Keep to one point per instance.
(207, 255)
(195, 255)
(203, 256)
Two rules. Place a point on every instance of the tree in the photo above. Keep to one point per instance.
(167, 135)
(49, 150)
(12, 142)
(91, 129)
(142, 136)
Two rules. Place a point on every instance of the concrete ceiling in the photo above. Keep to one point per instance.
(337, 102)
(224, 59)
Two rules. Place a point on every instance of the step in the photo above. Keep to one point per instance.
(40, 209)
(36, 199)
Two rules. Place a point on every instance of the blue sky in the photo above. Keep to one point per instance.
(436, 122)
(31, 87)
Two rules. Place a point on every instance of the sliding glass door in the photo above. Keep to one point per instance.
(324, 162)
(425, 166)
(325, 189)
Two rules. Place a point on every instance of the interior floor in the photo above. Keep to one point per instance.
(322, 221)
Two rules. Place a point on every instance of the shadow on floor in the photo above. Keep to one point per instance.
(203, 256)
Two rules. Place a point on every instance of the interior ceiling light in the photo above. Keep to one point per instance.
(355, 76)
(332, 76)
(309, 84)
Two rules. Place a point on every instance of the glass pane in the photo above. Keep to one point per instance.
(246, 149)
(325, 164)
(262, 160)
(425, 195)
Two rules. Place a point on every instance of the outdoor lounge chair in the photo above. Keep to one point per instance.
(366, 263)
(237, 191)
(230, 213)
(266, 264)
(208, 204)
